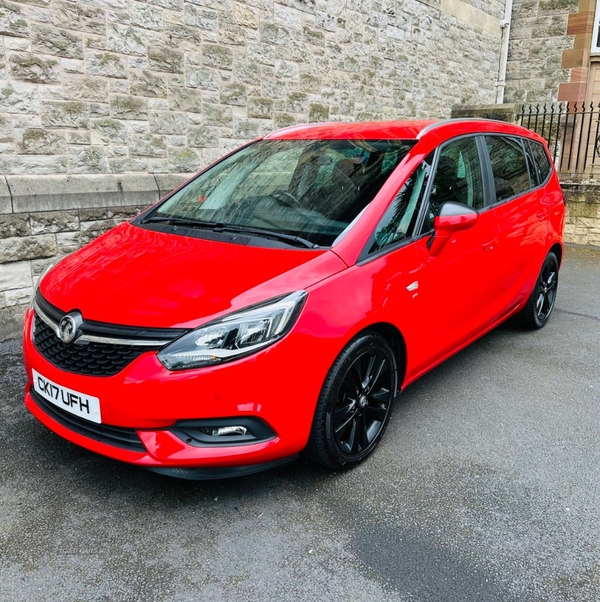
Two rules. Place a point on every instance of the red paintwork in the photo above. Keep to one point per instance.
(134, 276)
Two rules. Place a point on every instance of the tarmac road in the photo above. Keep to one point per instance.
(485, 488)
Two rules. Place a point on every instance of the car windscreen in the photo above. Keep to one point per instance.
(308, 190)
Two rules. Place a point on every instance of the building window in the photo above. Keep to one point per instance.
(596, 31)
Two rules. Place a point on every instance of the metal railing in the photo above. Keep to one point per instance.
(571, 131)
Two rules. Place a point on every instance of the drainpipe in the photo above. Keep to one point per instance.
(505, 25)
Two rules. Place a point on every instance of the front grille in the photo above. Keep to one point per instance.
(94, 358)
(111, 435)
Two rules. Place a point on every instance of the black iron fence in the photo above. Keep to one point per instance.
(571, 131)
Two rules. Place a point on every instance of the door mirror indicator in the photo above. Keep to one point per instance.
(453, 217)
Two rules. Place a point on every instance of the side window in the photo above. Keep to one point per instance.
(541, 158)
(458, 175)
(509, 166)
(399, 220)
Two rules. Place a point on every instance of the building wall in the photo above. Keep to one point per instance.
(105, 105)
(539, 36)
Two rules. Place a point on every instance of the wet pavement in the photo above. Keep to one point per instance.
(486, 487)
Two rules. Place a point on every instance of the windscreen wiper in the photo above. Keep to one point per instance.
(297, 240)
(222, 227)
(181, 221)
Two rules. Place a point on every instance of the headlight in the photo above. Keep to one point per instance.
(234, 336)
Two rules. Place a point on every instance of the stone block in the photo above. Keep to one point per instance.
(11, 322)
(6, 130)
(147, 83)
(125, 40)
(249, 73)
(19, 296)
(165, 59)
(217, 56)
(218, 115)
(67, 242)
(38, 141)
(54, 221)
(246, 16)
(12, 20)
(127, 165)
(65, 114)
(203, 136)
(200, 17)
(15, 275)
(105, 64)
(108, 130)
(85, 88)
(168, 122)
(16, 97)
(147, 145)
(148, 17)
(14, 224)
(201, 77)
(55, 193)
(87, 160)
(318, 112)
(233, 94)
(183, 159)
(19, 249)
(59, 42)
(78, 16)
(33, 164)
(185, 99)
(128, 107)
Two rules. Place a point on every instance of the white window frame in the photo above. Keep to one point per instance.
(595, 41)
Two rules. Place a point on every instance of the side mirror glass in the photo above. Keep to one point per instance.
(453, 217)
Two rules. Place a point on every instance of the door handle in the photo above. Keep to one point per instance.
(489, 246)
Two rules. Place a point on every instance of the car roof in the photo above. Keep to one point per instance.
(367, 130)
(403, 130)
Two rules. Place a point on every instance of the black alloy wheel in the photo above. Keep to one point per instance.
(539, 306)
(355, 404)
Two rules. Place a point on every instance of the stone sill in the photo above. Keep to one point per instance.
(24, 194)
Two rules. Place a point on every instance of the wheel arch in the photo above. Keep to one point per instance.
(394, 337)
(558, 251)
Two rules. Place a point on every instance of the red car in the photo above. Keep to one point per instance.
(281, 299)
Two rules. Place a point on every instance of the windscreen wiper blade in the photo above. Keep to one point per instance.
(181, 221)
(222, 227)
(291, 238)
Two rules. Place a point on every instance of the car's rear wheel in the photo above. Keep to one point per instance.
(540, 304)
(355, 403)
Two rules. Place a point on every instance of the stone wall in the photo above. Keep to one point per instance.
(538, 37)
(100, 99)
(583, 212)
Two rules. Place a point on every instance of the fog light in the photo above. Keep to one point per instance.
(224, 431)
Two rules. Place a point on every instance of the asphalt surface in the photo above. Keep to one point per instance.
(486, 487)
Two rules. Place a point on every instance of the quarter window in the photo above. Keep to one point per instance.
(542, 161)
(509, 166)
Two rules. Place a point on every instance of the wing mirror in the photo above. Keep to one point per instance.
(453, 217)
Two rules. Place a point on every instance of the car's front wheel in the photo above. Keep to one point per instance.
(355, 403)
(540, 304)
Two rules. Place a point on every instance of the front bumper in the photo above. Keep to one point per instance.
(147, 400)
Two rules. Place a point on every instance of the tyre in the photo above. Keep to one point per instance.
(539, 306)
(355, 403)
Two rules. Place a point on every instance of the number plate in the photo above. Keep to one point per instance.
(74, 402)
